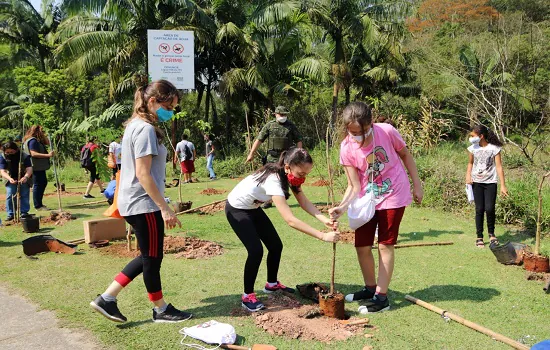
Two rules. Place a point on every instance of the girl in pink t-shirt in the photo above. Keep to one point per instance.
(383, 161)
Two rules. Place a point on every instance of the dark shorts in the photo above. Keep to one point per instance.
(388, 222)
(188, 166)
(93, 173)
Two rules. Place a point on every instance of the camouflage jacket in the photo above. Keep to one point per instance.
(280, 137)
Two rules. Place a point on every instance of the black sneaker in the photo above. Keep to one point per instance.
(87, 196)
(252, 304)
(375, 305)
(25, 215)
(109, 309)
(363, 294)
(9, 218)
(171, 315)
(278, 286)
(102, 191)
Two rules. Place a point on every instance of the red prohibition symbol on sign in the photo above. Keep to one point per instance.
(164, 48)
(177, 48)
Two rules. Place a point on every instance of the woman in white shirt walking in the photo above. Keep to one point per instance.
(484, 171)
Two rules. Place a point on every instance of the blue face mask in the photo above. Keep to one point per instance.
(164, 115)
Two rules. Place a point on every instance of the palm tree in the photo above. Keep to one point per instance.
(27, 31)
(113, 34)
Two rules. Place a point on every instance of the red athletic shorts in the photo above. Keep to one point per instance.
(388, 222)
(188, 166)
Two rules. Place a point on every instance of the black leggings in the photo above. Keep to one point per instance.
(254, 227)
(149, 231)
(485, 197)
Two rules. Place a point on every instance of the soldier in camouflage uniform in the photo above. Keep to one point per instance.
(281, 134)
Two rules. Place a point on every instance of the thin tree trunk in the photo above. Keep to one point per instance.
(334, 104)
(215, 122)
(207, 101)
(174, 131)
(228, 120)
(348, 95)
(200, 90)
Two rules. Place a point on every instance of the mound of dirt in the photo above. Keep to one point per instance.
(181, 247)
(211, 209)
(56, 218)
(347, 236)
(286, 317)
(211, 191)
(320, 183)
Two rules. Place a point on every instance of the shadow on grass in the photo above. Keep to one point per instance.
(9, 244)
(419, 236)
(516, 235)
(81, 215)
(133, 324)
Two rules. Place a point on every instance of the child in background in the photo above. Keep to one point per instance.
(484, 170)
(378, 151)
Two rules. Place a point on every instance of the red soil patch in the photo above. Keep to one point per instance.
(320, 183)
(286, 316)
(181, 247)
(211, 191)
(347, 237)
(57, 219)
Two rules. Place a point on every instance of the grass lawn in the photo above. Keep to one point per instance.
(459, 278)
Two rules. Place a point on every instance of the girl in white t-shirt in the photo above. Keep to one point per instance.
(484, 170)
(253, 227)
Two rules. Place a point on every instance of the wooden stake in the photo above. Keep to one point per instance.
(202, 206)
(333, 268)
(86, 203)
(470, 324)
(425, 244)
(539, 215)
(129, 238)
(58, 187)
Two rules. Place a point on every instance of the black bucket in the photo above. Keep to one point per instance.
(31, 224)
(510, 253)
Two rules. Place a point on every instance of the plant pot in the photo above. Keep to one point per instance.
(179, 206)
(30, 224)
(332, 305)
(536, 263)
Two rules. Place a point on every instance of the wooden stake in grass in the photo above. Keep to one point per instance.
(58, 187)
(470, 324)
(539, 215)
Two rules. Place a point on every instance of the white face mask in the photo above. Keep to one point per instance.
(360, 138)
(281, 119)
(474, 140)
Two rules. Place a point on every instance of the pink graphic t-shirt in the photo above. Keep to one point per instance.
(390, 178)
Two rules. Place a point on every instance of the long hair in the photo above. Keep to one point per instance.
(37, 132)
(359, 112)
(162, 91)
(292, 157)
(489, 136)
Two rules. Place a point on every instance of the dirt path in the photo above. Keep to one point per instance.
(24, 327)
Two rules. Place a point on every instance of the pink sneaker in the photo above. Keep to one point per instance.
(251, 303)
(278, 286)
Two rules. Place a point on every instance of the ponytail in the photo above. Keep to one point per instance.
(162, 91)
(488, 134)
(294, 156)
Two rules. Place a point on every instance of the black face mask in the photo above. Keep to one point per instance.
(13, 157)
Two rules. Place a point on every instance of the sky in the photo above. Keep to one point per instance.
(36, 4)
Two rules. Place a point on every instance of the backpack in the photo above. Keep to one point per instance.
(187, 152)
(86, 157)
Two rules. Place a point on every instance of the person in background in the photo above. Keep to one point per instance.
(16, 169)
(141, 201)
(185, 151)
(210, 153)
(86, 152)
(35, 145)
(483, 172)
(114, 156)
(281, 135)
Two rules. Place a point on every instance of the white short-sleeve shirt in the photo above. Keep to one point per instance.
(248, 194)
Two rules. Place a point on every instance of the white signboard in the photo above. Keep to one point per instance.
(171, 57)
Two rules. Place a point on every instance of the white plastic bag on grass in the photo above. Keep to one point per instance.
(212, 332)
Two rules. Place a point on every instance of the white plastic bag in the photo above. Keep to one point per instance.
(469, 193)
(212, 332)
(361, 210)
